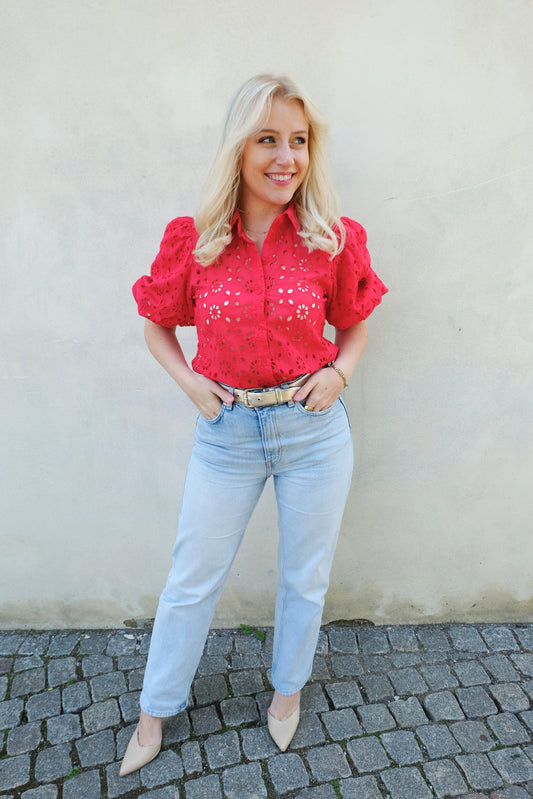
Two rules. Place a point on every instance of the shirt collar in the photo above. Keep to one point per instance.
(289, 212)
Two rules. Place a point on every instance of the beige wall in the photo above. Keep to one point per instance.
(111, 112)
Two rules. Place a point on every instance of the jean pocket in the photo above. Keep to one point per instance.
(216, 418)
(302, 408)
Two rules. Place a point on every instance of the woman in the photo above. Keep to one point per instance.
(264, 264)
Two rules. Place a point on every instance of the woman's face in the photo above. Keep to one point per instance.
(275, 160)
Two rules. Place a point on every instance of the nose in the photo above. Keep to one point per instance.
(284, 155)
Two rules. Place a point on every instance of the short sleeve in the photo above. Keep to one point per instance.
(356, 287)
(165, 296)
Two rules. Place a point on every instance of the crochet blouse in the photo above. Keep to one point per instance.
(260, 317)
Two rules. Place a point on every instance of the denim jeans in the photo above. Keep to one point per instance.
(310, 456)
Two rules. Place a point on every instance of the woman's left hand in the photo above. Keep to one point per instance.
(321, 389)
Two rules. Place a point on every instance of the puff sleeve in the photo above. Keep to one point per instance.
(165, 295)
(356, 287)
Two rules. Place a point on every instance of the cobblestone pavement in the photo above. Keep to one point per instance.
(390, 712)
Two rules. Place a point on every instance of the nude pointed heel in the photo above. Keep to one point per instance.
(282, 732)
(136, 755)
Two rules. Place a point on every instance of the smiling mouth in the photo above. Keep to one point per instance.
(277, 178)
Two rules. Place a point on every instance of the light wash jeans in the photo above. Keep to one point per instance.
(310, 456)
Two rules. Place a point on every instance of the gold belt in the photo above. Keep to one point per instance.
(261, 397)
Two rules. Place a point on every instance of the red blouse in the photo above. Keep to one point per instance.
(260, 317)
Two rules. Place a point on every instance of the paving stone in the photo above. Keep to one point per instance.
(61, 671)
(144, 644)
(475, 702)
(257, 743)
(62, 644)
(377, 687)
(472, 736)
(401, 660)
(35, 644)
(346, 666)
(510, 697)
(439, 676)
(3, 688)
(525, 636)
(466, 638)
(344, 694)
(437, 740)
(191, 757)
(405, 783)
(42, 792)
(433, 638)
(129, 705)
(97, 749)
(313, 699)
(442, 706)
(10, 713)
(501, 668)
(512, 764)
(123, 738)
(328, 763)
(28, 682)
(445, 778)
(402, 747)
(242, 662)
(287, 773)
(528, 687)
(479, 772)
(403, 639)
(367, 754)
(408, 682)
(121, 644)
(241, 710)
(246, 682)
(205, 720)
(5, 665)
(527, 718)
(203, 788)
(43, 706)
(177, 729)
(524, 663)
(10, 643)
(53, 763)
(244, 782)
(131, 662)
(167, 766)
(107, 685)
(27, 663)
(247, 644)
(343, 640)
(212, 664)
(168, 792)
(136, 679)
(322, 644)
(25, 738)
(360, 788)
(218, 644)
(513, 792)
(373, 663)
(223, 750)
(341, 724)
(14, 772)
(84, 786)
(60, 729)
(91, 665)
(408, 712)
(320, 669)
(101, 715)
(372, 641)
(499, 638)
(470, 672)
(508, 729)
(118, 786)
(375, 718)
(93, 643)
(75, 697)
(320, 792)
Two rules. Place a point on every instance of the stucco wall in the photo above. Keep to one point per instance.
(111, 113)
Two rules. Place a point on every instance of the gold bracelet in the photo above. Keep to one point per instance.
(340, 373)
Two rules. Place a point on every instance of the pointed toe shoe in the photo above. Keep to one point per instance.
(136, 755)
(282, 732)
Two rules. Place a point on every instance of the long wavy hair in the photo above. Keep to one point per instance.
(315, 200)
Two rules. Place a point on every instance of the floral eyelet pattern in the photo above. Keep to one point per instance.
(260, 317)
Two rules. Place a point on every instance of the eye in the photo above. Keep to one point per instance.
(266, 140)
(300, 140)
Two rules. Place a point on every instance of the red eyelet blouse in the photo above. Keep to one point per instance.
(260, 317)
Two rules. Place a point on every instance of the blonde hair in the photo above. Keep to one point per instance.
(315, 200)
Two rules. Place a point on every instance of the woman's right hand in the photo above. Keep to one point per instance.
(207, 394)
